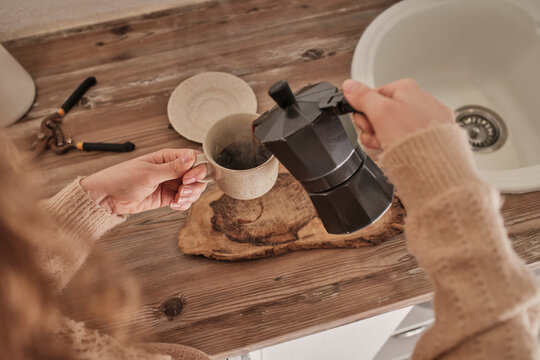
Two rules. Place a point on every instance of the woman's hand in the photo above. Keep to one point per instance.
(393, 111)
(162, 178)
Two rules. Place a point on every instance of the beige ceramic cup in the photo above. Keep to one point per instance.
(239, 184)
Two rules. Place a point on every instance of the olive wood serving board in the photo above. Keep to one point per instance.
(283, 220)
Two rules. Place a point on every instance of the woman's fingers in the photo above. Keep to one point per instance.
(184, 203)
(370, 141)
(363, 123)
(194, 175)
(184, 191)
(187, 195)
(367, 135)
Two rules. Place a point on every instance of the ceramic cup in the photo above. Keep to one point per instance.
(239, 184)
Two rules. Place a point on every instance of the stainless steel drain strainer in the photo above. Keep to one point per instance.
(487, 131)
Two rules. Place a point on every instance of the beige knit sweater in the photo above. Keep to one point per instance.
(82, 222)
(486, 302)
(487, 305)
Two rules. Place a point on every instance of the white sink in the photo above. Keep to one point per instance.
(468, 52)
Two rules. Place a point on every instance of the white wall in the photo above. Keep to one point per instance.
(20, 18)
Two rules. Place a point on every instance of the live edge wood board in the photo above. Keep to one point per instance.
(283, 220)
(222, 308)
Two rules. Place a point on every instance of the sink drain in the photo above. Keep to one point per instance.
(486, 130)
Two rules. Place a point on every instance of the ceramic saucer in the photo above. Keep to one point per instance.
(198, 102)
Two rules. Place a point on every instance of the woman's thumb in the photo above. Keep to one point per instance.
(361, 97)
(177, 168)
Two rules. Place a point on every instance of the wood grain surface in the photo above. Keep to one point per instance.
(219, 307)
(281, 221)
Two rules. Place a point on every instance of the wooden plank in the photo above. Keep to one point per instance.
(222, 308)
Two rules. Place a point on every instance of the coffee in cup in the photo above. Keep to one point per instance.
(242, 167)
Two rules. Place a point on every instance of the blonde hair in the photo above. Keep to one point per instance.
(28, 308)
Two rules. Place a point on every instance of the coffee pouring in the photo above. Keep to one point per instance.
(311, 134)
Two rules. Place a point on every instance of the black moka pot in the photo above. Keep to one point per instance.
(314, 139)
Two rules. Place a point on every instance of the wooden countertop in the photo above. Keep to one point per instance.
(222, 308)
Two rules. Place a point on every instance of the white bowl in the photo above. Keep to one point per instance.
(468, 52)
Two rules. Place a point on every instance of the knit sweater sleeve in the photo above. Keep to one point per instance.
(486, 302)
(79, 223)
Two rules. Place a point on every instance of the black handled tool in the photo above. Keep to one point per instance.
(52, 137)
(78, 93)
(88, 146)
